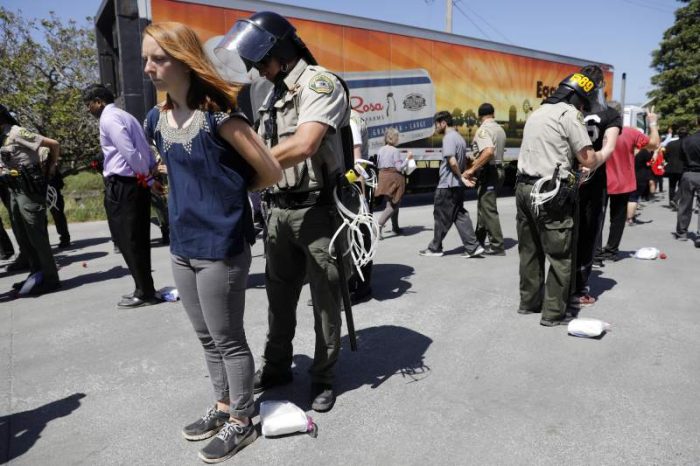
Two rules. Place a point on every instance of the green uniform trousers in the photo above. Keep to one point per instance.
(297, 247)
(487, 221)
(541, 237)
(28, 213)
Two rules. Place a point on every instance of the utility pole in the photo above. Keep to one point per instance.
(448, 16)
(622, 94)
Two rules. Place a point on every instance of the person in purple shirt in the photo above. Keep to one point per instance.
(128, 163)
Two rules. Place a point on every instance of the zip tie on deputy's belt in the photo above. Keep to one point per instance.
(538, 198)
(51, 197)
(352, 223)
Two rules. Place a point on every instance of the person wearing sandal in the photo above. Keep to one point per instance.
(213, 158)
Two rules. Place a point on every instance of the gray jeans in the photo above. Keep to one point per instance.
(449, 210)
(213, 294)
(689, 187)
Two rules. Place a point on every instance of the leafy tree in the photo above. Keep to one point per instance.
(458, 117)
(677, 61)
(44, 66)
(470, 118)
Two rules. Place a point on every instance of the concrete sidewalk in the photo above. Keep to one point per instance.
(446, 373)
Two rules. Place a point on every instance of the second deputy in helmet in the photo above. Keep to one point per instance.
(554, 136)
(300, 121)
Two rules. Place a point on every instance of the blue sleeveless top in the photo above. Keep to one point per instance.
(208, 207)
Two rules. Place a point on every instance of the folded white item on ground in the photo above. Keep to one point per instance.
(587, 328)
(647, 253)
(284, 417)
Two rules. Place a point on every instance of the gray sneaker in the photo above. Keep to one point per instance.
(207, 426)
(477, 253)
(680, 236)
(429, 252)
(230, 439)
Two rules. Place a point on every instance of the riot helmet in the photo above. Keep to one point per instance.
(265, 34)
(6, 116)
(578, 89)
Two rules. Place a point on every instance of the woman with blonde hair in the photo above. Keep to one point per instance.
(392, 182)
(213, 158)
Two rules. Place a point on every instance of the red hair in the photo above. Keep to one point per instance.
(208, 91)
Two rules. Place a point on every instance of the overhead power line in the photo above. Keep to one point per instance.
(484, 33)
(650, 6)
(505, 38)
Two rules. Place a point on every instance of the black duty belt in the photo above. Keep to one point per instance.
(293, 201)
(123, 179)
(526, 179)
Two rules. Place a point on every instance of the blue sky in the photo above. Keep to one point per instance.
(619, 32)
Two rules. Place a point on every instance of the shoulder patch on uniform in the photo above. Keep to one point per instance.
(579, 117)
(26, 134)
(321, 84)
(483, 134)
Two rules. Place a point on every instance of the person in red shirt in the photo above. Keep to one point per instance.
(622, 181)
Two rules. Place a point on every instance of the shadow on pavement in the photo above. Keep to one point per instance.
(406, 231)
(95, 277)
(84, 243)
(382, 352)
(509, 243)
(600, 284)
(389, 280)
(20, 431)
(64, 260)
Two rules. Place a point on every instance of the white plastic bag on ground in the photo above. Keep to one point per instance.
(284, 417)
(647, 253)
(587, 328)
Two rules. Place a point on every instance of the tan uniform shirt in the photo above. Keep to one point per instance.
(360, 135)
(313, 94)
(554, 133)
(490, 134)
(20, 147)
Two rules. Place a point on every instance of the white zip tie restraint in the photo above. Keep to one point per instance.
(51, 197)
(538, 198)
(352, 223)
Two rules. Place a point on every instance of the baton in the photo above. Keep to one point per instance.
(344, 292)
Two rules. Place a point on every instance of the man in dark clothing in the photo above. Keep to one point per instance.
(674, 166)
(604, 125)
(57, 211)
(689, 186)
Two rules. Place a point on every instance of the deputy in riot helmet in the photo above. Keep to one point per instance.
(554, 137)
(300, 122)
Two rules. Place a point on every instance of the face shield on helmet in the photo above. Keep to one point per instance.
(251, 42)
(227, 63)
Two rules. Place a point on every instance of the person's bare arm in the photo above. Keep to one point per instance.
(654, 138)
(241, 136)
(452, 163)
(483, 159)
(54, 152)
(589, 158)
(302, 145)
(609, 141)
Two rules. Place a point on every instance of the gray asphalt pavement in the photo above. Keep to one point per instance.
(446, 373)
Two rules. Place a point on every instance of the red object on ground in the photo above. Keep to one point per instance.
(663, 255)
(85, 264)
